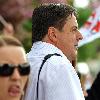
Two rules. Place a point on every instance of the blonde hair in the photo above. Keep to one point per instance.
(9, 40)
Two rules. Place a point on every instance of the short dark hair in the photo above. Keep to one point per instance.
(49, 15)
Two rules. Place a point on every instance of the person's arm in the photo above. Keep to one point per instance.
(94, 91)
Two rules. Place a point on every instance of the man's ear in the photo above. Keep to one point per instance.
(52, 35)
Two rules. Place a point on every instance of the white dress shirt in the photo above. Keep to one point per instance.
(58, 79)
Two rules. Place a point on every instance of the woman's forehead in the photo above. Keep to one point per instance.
(12, 54)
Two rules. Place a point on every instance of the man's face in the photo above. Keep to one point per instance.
(68, 38)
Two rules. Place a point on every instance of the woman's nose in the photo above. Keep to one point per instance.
(16, 75)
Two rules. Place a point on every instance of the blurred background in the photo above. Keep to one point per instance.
(17, 14)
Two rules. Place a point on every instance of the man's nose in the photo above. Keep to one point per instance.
(79, 36)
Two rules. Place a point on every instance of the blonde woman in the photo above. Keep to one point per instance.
(14, 69)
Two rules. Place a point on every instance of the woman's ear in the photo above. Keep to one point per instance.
(52, 35)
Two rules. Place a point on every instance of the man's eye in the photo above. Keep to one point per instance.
(74, 30)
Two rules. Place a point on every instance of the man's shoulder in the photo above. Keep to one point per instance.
(58, 60)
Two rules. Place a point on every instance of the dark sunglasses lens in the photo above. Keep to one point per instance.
(24, 69)
(6, 70)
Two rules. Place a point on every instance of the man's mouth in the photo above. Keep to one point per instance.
(76, 46)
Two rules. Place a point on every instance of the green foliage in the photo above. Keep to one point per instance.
(89, 51)
(27, 43)
(27, 25)
(83, 14)
(35, 3)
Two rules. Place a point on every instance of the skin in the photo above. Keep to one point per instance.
(8, 85)
(8, 29)
(67, 39)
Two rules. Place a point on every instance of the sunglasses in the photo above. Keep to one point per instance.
(8, 69)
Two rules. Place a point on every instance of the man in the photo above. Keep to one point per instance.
(54, 30)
